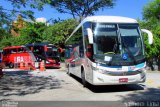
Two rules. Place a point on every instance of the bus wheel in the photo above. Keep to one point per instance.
(83, 79)
(11, 65)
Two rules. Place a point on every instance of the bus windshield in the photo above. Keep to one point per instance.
(130, 38)
(106, 38)
(116, 40)
(107, 42)
(52, 52)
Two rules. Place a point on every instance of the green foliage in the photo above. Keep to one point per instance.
(6, 15)
(59, 32)
(40, 32)
(152, 10)
(152, 22)
(6, 41)
(33, 32)
(81, 8)
(152, 50)
(76, 38)
(3, 35)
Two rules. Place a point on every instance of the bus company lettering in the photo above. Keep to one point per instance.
(19, 59)
(22, 59)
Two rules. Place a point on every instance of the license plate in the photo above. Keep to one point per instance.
(123, 80)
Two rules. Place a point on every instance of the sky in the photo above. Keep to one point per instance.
(126, 8)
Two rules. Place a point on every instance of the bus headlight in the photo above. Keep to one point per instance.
(102, 71)
(99, 70)
(47, 62)
(94, 68)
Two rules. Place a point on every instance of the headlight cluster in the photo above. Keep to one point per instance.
(100, 70)
(47, 62)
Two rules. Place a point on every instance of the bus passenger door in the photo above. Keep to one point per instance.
(88, 62)
(72, 65)
(75, 63)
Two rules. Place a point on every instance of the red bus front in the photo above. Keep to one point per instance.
(15, 54)
(47, 52)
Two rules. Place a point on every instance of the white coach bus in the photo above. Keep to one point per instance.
(107, 50)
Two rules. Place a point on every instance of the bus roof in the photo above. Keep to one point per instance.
(109, 19)
(13, 47)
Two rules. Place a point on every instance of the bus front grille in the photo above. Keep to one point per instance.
(124, 73)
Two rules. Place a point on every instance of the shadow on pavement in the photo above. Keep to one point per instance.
(114, 88)
(148, 95)
(111, 88)
(22, 83)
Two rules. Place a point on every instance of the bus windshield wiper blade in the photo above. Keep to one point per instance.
(129, 53)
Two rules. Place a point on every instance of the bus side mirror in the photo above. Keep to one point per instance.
(150, 35)
(90, 35)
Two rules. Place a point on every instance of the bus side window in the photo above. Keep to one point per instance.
(67, 53)
(20, 50)
(89, 51)
(89, 48)
(14, 51)
(6, 52)
(81, 49)
(76, 55)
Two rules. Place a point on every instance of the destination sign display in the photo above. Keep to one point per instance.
(106, 26)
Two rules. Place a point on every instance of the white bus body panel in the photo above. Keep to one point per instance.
(102, 79)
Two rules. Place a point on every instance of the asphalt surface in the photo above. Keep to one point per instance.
(55, 87)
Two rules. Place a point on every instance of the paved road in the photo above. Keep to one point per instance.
(56, 85)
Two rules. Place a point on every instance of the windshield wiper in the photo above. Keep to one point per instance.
(129, 52)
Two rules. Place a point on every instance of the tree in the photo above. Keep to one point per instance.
(151, 16)
(59, 32)
(17, 25)
(3, 34)
(81, 8)
(6, 15)
(152, 10)
(32, 32)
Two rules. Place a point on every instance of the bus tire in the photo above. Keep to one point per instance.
(11, 65)
(83, 79)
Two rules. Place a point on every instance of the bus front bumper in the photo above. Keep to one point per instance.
(105, 79)
(52, 65)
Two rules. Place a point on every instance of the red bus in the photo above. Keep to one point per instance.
(15, 54)
(47, 52)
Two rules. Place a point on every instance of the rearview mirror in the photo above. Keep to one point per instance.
(90, 35)
(150, 35)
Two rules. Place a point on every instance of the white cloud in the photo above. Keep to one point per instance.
(42, 19)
